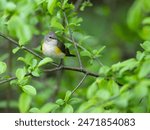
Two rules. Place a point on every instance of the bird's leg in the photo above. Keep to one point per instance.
(61, 62)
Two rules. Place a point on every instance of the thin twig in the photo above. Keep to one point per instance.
(56, 69)
(73, 69)
(8, 80)
(83, 48)
(73, 40)
(79, 84)
(24, 48)
(99, 62)
(12, 78)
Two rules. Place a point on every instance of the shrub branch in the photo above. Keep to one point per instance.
(82, 70)
(73, 40)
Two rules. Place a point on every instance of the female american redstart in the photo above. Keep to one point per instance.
(54, 48)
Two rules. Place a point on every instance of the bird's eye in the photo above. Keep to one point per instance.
(50, 37)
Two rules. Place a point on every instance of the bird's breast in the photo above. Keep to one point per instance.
(52, 51)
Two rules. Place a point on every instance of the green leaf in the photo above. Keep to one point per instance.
(67, 96)
(125, 88)
(104, 70)
(85, 4)
(20, 73)
(67, 109)
(22, 31)
(28, 59)
(3, 67)
(15, 50)
(145, 32)
(86, 105)
(146, 20)
(64, 4)
(45, 61)
(38, 2)
(129, 64)
(3, 4)
(85, 53)
(100, 50)
(34, 110)
(145, 69)
(24, 81)
(13, 83)
(60, 102)
(24, 102)
(125, 65)
(113, 87)
(140, 91)
(22, 59)
(75, 100)
(34, 63)
(56, 24)
(102, 83)
(3, 22)
(28, 89)
(146, 46)
(92, 90)
(103, 94)
(140, 55)
(51, 6)
(146, 5)
(10, 6)
(135, 15)
(36, 72)
(123, 100)
(49, 107)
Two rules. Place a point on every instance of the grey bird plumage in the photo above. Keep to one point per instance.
(51, 44)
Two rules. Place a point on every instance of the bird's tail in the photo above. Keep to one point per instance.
(70, 55)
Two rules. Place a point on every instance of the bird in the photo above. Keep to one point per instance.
(53, 48)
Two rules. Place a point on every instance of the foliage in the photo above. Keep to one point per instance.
(138, 19)
(37, 83)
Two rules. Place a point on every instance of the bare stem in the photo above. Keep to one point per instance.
(72, 38)
(72, 69)
(12, 78)
(79, 84)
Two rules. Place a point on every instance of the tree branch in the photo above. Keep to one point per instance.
(72, 69)
(49, 70)
(12, 78)
(24, 48)
(72, 38)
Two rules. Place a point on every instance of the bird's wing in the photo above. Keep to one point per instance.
(65, 50)
(61, 46)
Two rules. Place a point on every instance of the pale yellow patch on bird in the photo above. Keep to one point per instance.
(58, 51)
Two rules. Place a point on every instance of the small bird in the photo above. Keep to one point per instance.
(54, 48)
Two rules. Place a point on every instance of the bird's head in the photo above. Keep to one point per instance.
(50, 37)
